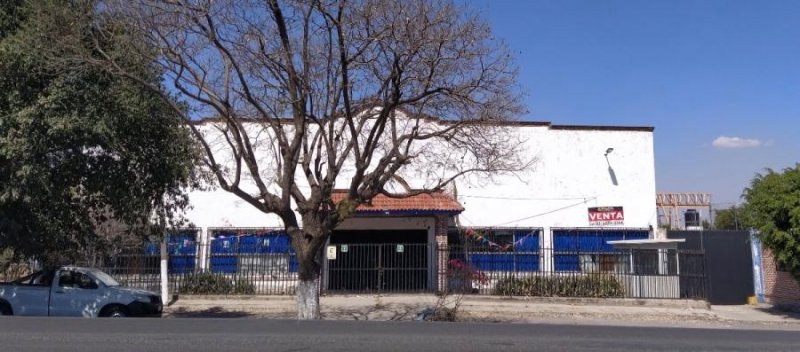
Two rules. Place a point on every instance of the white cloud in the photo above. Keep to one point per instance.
(736, 142)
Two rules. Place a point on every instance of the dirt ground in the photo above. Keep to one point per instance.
(495, 309)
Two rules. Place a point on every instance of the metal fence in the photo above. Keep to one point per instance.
(236, 268)
(262, 273)
(546, 272)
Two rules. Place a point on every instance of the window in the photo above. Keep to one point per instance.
(591, 263)
(86, 282)
(65, 279)
(587, 250)
(264, 263)
(39, 278)
(489, 240)
(514, 250)
(260, 252)
(76, 279)
(645, 262)
(182, 251)
(44, 279)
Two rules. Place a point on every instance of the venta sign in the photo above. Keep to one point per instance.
(602, 216)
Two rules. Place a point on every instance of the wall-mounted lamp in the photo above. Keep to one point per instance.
(608, 151)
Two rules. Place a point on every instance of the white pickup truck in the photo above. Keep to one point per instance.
(75, 291)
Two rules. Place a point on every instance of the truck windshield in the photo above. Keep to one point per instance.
(105, 278)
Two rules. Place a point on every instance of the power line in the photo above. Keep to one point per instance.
(585, 200)
(519, 198)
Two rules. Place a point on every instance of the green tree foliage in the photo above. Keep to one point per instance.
(79, 147)
(773, 202)
(733, 218)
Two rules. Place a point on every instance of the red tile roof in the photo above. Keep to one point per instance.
(434, 202)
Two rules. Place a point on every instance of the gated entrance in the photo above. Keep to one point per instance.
(728, 263)
(379, 261)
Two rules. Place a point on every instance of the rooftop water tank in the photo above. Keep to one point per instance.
(691, 218)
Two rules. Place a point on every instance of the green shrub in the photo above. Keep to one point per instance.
(216, 284)
(243, 287)
(603, 286)
(207, 284)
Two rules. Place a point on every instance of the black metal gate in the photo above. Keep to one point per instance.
(728, 262)
(384, 267)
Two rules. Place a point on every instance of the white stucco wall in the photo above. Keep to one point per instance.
(570, 175)
(221, 209)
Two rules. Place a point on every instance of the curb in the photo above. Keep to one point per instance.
(235, 297)
(623, 302)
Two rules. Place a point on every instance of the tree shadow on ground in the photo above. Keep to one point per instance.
(381, 312)
(213, 312)
(784, 311)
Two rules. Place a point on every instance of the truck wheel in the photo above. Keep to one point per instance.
(116, 312)
(5, 309)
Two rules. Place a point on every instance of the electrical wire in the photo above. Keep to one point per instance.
(518, 198)
(585, 200)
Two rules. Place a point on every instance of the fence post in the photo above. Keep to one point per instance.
(202, 257)
(164, 283)
(758, 270)
(441, 263)
(547, 258)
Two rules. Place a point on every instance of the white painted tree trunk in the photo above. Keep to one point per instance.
(308, 299)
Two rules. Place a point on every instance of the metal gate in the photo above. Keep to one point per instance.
(728, 263)
(385, 267)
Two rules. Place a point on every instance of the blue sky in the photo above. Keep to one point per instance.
(698, 71)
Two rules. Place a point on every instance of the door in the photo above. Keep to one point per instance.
(30, 300)
(75, 294)
(29, 295)
(403, 267)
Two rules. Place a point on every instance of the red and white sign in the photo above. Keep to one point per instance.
(603, 216)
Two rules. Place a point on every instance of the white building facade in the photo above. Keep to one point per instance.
(575, 168)
(587, 185)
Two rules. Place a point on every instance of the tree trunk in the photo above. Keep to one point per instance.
(308, 299)
(309, 258)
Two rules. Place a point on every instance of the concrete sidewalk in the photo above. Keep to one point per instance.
(683, 313)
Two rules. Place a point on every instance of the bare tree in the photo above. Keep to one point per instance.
(312, 96)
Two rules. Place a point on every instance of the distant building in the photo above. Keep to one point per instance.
(683, 211)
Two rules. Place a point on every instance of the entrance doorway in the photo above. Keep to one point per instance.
(379, 261)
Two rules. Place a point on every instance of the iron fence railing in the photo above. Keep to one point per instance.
(216, 273)
(629, 273)
(406, 267)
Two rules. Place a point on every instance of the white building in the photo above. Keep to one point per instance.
(588, 185)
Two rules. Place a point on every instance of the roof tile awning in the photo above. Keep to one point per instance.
(422, 204)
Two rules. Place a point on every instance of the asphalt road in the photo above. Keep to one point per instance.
(75, 334)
